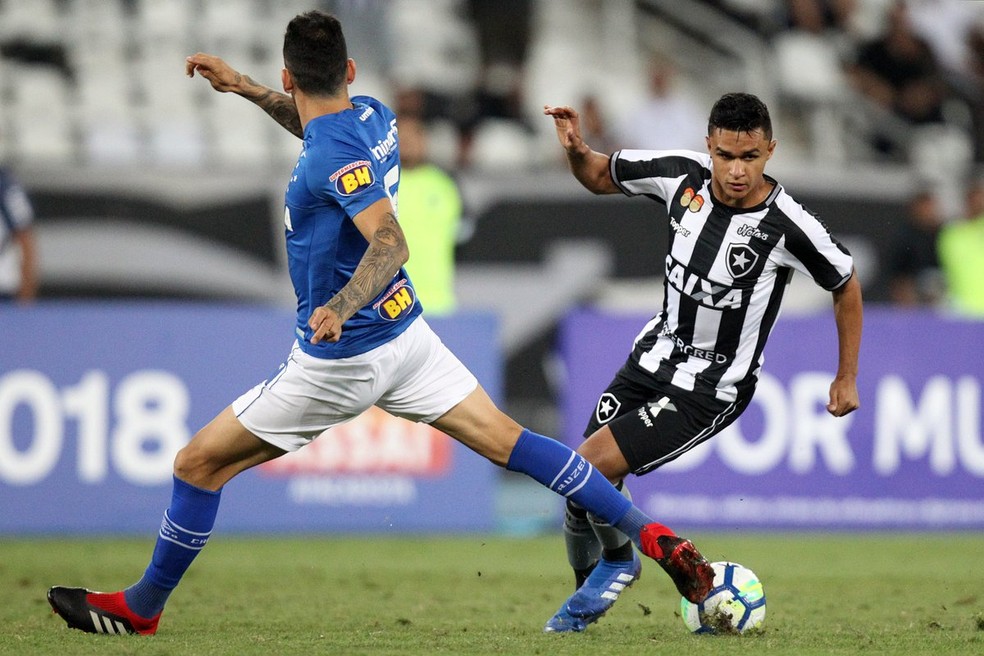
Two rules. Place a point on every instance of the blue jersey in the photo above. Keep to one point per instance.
(350, 160)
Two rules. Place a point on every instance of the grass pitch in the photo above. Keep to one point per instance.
(843, 594)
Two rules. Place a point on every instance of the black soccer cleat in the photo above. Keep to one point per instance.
(99, 612)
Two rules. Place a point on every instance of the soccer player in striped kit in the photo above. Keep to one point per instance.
(360, 340)
(735, 238)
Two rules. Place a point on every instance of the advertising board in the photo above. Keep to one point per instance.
(96, 398)
(912, 457)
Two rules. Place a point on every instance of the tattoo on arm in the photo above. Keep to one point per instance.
(279, 106)
(387, 252)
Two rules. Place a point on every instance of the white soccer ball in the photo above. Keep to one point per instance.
(735, 604)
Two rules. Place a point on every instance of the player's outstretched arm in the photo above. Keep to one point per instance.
(224, 78)
(848, 315)
(387, 252)
(588, 166)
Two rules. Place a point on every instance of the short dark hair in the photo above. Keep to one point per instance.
(315, 53)
(740, 112)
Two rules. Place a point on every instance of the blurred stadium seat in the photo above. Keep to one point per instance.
(122, 66)
(40, 121)
(812, 83)
(38, 20)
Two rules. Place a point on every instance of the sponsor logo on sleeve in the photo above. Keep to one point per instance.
(691, 200)
(352, 178)
(397, 302)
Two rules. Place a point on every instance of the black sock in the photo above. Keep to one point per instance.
(623, 553)
(581, 575)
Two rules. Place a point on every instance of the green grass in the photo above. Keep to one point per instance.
(844, 594)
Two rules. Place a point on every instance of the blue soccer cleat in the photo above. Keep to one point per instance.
(596, 596)
(564, 622)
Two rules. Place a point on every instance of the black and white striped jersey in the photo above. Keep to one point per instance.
(726, 271)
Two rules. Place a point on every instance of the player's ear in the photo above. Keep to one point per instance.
(287, 81)
(350, 71)
(772, 148)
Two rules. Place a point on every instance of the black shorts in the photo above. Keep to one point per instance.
(655, 422)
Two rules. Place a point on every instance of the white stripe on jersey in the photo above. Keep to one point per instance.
(650, 359)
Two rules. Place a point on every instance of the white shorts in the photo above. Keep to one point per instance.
(414, 376)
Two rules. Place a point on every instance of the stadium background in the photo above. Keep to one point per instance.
(149, 186)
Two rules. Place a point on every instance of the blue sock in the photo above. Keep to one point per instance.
(184, 532)
(566, 472)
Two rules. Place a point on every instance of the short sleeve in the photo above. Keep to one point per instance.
(350, 179)
(655, 172)
(811, 249)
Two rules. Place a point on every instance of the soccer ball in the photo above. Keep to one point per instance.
(735, 604)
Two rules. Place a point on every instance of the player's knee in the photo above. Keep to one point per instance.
(191, 465)
(503, 433)
(498, 453)
(494, 443)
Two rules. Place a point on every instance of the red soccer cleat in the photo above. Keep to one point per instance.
(690, 571)
(99, 612)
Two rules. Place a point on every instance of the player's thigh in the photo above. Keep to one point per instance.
(309, 395)
(220, 450)
(670, 424)
(434, 387)
(427, 379)
(622, 396)
(477, 423)
(605, 455)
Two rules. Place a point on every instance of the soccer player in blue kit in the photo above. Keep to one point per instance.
(360, 341)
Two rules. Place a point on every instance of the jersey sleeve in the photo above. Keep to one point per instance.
(811, 249)
(655, 172)
(351, 177)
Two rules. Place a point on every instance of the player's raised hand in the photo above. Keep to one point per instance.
(568, 125)
(326, 325)
(843, 396)
(588, 166)
(214, 69)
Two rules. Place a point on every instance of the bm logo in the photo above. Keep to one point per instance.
(397, 301)
(353, 177)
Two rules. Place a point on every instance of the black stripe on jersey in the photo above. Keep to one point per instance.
(800, 246)
(732, 322)
(686, 318)
(648, 341)
(710, 240)
(730, 332)
(672, 166)
(783, 274)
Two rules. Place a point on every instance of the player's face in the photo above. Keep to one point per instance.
(738, 166)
